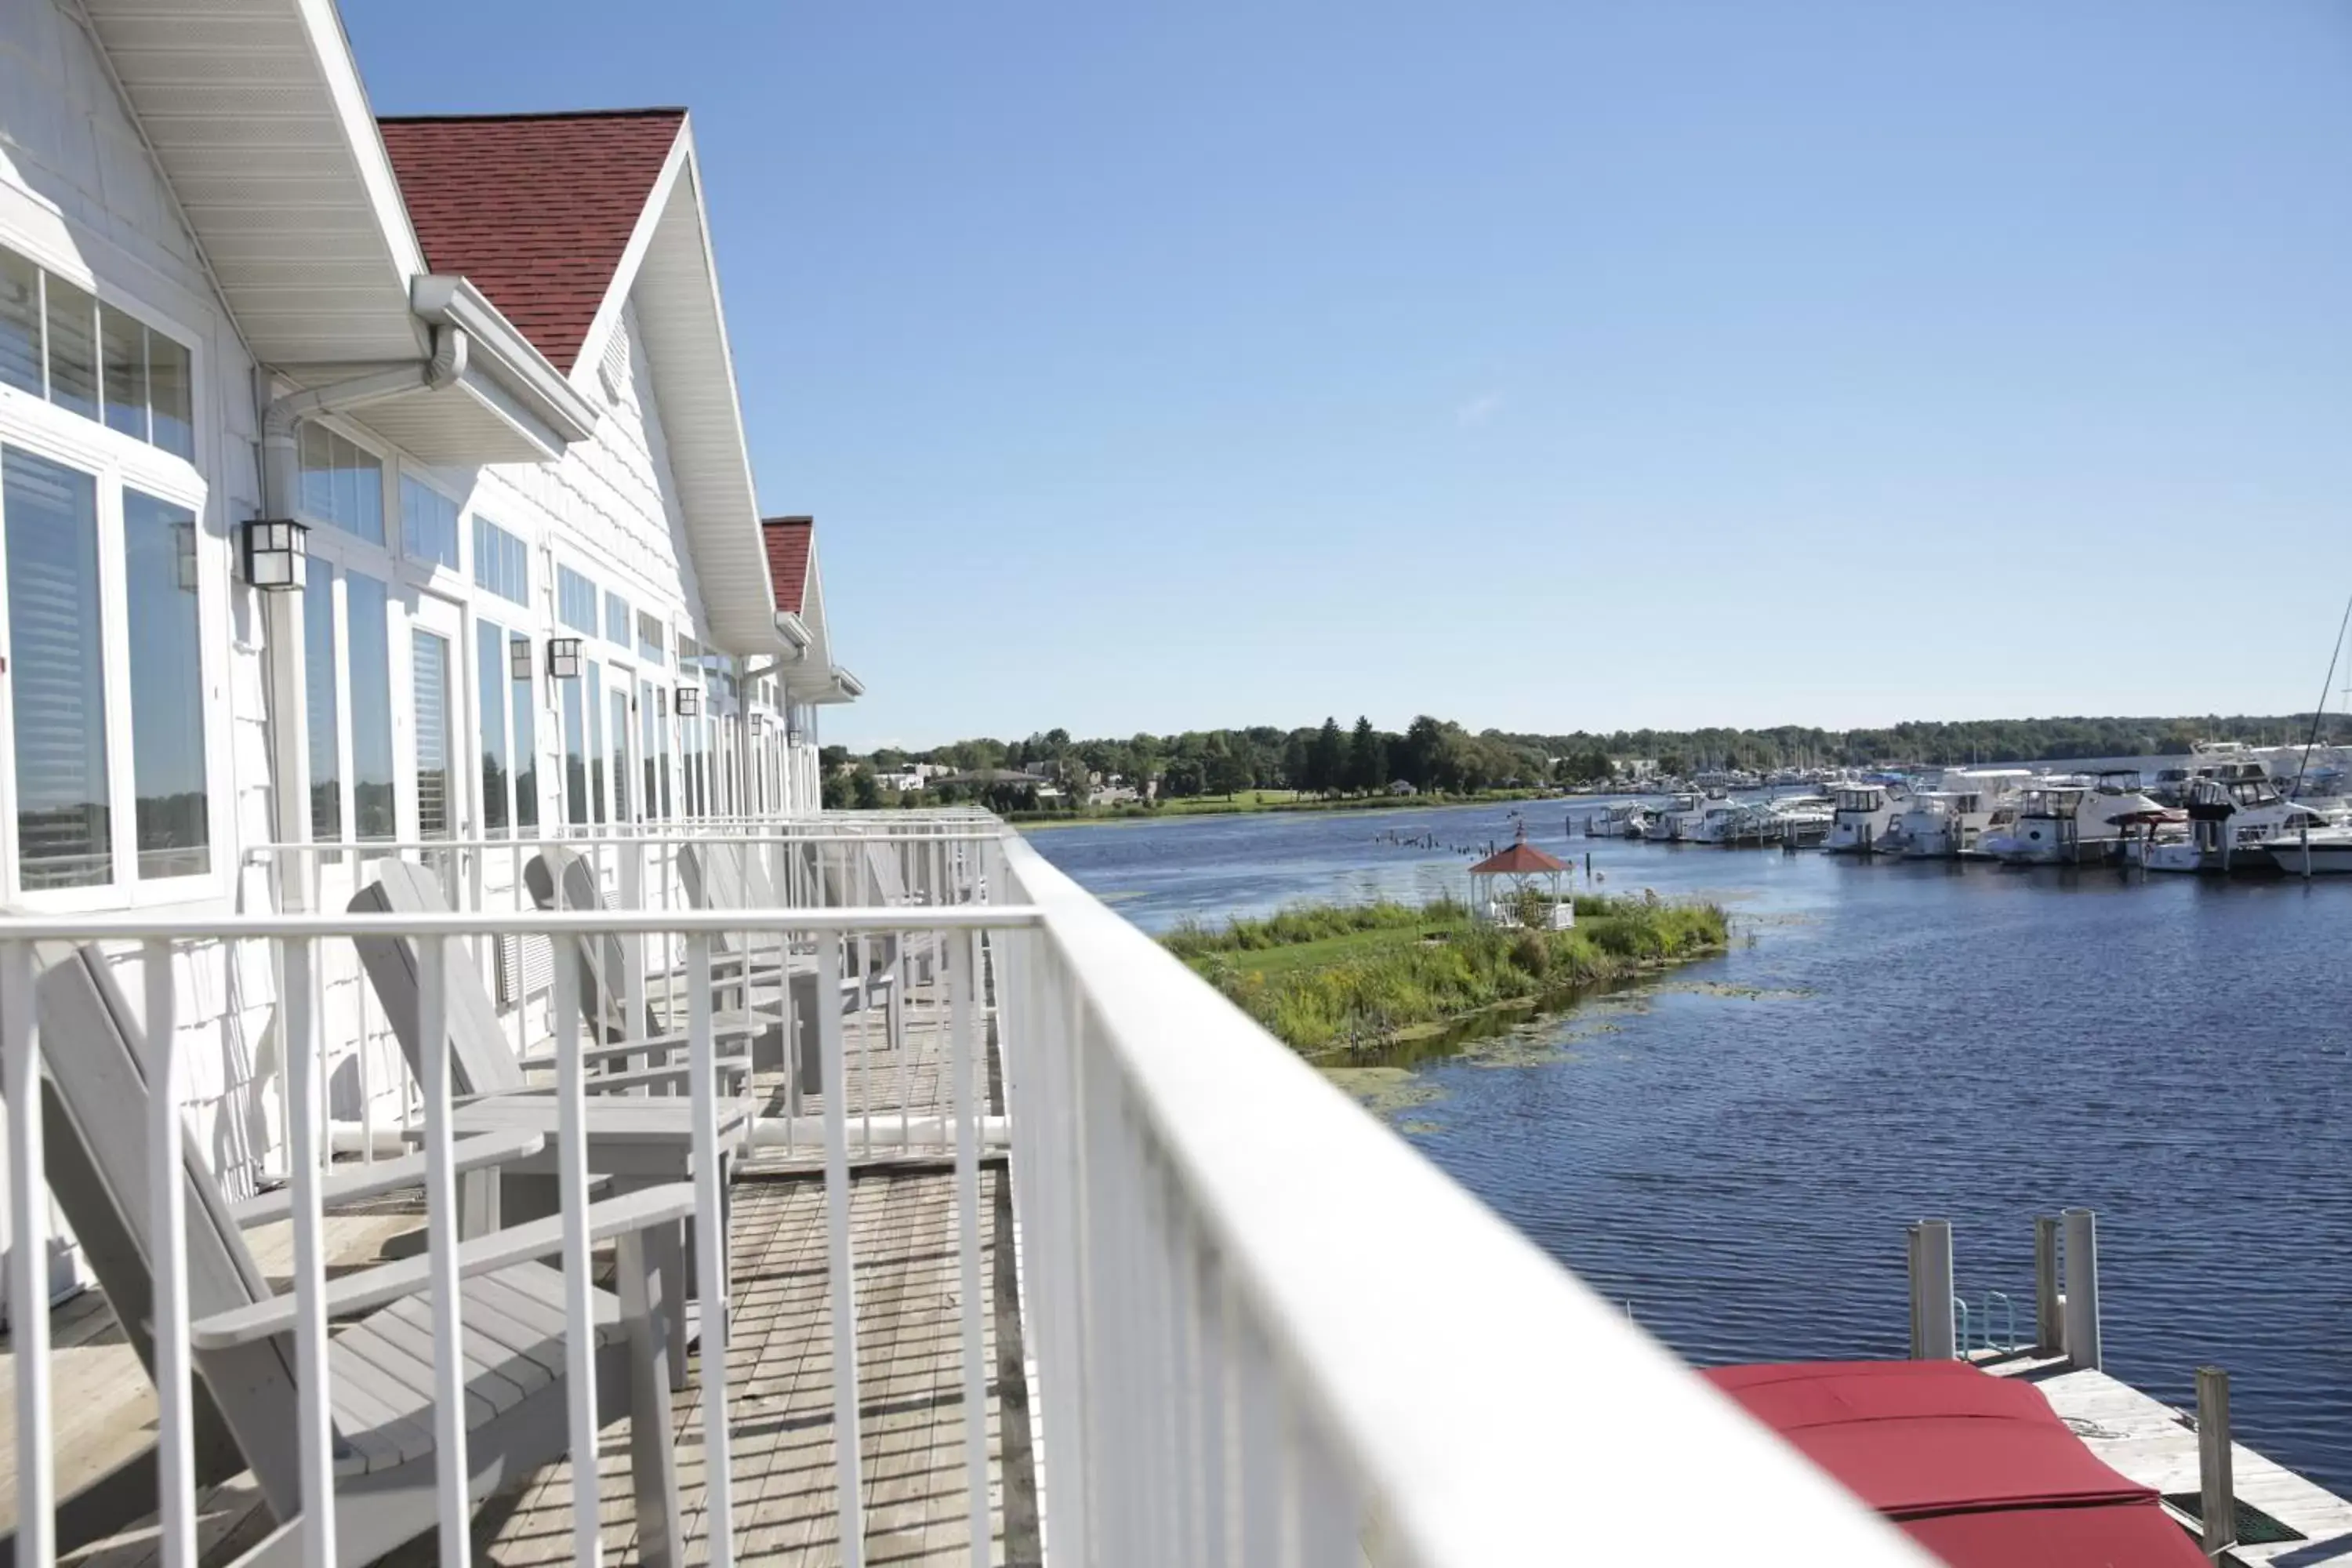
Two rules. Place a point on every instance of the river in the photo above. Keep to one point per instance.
(1736, 1149)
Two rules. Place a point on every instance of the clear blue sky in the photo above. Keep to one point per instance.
(1546, 365)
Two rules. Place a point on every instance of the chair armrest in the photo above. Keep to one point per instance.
(616, 1082)
(350, 1293)
(474, 1154)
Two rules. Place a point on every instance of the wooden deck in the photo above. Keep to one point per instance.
(911, 1419)
(2156, 1445)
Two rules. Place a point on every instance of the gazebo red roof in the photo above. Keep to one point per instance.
(1522, 858)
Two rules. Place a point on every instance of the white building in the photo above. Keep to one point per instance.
(484, 360)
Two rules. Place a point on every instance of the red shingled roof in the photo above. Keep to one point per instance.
(533, 209)
(790, 542)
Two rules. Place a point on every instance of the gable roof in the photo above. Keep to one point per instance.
(790, 543)
(1522, 858)
(536, 210)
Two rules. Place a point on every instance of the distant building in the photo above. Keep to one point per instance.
(1635, 769)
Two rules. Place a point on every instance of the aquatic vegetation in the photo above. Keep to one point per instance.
(1352, 980)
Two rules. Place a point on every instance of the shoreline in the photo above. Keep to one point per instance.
(1367, 805)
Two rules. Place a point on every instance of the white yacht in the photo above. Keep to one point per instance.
(2069, 821)
(1624, 820)
(2244, 824)
(1860, 815)
(1670, 822)
(2319, 851)
(1947, 822)
(1722, 821)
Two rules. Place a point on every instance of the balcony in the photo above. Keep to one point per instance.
(1035, 1249)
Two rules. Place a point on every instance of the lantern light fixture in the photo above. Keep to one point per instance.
(518, 661)
(689, 701)
(563, 658)
(274, 553)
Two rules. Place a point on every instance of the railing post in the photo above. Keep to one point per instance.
(28, 1259)
(167, 1245)
(1932, 1336)
(2217, 1485)
(2083, 1289)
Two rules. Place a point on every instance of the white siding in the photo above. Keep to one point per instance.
(80, 193)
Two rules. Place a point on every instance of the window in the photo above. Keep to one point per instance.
(343, 483)
(72, 316)
(428, 523)
(501, 563)
(655, 802)
(575, 757)
(58, 343)
(323, 707)
(367, 654)
(650, 637)
(429, 708)
(113, 779)
(617, 700)
(490, 697)
(172, 805)
(594, 681)
(576, 601)
(616, 620)
(526, 744)
(64, 831)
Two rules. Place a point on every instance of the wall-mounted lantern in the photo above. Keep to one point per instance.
(519, 658)
(759, 722)
(690, 702)
(564, 657)
(273, 553)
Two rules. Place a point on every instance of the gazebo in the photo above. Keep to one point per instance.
(1499, 885)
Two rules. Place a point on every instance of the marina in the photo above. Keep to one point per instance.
(1731, 1149)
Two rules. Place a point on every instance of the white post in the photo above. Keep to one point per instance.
(2082, 1288)
(1932, 1338)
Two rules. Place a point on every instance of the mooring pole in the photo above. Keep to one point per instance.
(2216, 1485)
(2083, 1289)
(2049, 1329)
(1930, 1243)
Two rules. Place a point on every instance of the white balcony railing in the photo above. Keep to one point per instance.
(1257, 1327)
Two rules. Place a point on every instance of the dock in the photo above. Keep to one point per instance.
(2154, 1444)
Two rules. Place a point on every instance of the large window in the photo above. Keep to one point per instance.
(343, 483)
(58, 343)
(428, 523)
(501, 562)
(490, 702)
(64, 831)
(576, 601)
(368, 657)
(575, 757)
(111, 772)
(526, 743)
(651, 635)
(321, 686)
(509, 772)
(167, 687)
(616, 620)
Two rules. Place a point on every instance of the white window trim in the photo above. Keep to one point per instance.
(118, 462)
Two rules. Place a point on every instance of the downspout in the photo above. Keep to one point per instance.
(281, 479)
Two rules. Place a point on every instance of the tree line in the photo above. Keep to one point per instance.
(1437, 755)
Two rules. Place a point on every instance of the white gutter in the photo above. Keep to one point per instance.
(794, 631)
(451, 302)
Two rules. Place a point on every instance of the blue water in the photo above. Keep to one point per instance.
(1736, 1149)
